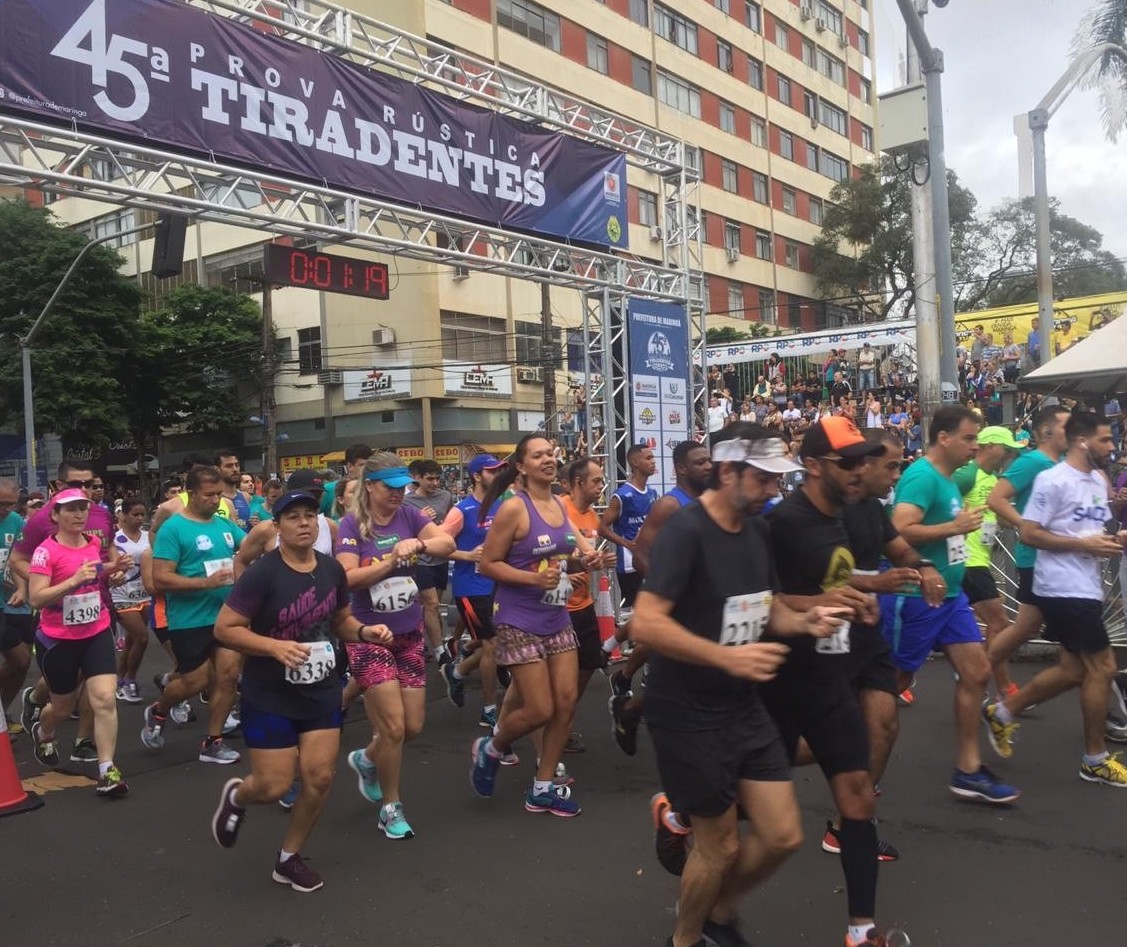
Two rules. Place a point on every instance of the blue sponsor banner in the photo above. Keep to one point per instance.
(171, 75)
(657, 336)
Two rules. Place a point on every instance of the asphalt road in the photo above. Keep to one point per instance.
(484, 873)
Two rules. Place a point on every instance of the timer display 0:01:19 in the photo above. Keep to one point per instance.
(290, 266)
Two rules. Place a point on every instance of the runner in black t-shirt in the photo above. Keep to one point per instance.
(281, 615)
(707, 598)
(811, 698)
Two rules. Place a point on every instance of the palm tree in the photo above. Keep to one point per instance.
(1106, 22)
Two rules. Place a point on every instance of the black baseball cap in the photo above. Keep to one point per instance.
(294, 498)
(305, 479)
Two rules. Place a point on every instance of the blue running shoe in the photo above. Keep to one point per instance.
(392, 822)
(488, 719)
(287, 801)
(483, 774)
(368, 779)
(556, 800)
(983, 785)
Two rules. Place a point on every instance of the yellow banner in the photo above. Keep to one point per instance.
(1073, 320)
(299, 462)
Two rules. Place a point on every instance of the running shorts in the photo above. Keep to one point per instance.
(519, 647)
(432, 577)
(1025, 594)
(868, 665)
(263, 730)
(914, 629)
(192, 647)
(16, 629)
(63, 662)
(979, 584)
(1077, 624)
(477, 613)
(585, 623)
(403, 660)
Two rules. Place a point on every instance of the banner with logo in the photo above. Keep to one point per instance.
(376, 385)
(163, 72)
(480, 381)
(287, 465)
(813, 343)
(661, 401)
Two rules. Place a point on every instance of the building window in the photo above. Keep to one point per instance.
(790, 200)
(790, 254)
(309, 351)
(755, 73)
(469, 338)
(817, 209)
(647, 208)
(678, 93)
(758, 131)
(810, 105)
(783, 85)
(111, 224)
(786, 145)
(812, 154)
(767, 306)
(782, 35)
(794, 314)
(763, 244)
(724, 6)
(830, 66)
(727, 118)
(730, 174)
(833, 118)
(833, 167)
(732, 235)
(598, 58)
(735, 300)
(724, 60)
(863, 42)
(641, 74)
(640, 12)
(866, 137)
(679, 30)
(866, 92)
(808, 54)
(530, 20)
(759, 189)
(753, 16)
(831, 16)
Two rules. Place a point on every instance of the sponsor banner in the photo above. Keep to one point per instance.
(376, 385)
(661, 406)
(813, 343)
(1073, 319)
(164, 72)
(483, 381)
(288, 465)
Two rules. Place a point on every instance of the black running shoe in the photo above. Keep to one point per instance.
(228, 818)
(624, 726)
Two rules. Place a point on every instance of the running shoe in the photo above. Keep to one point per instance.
(298, 874)
(1119, 696)
(228, 818)
(120, 691)
(160, 680)
(556, 800)
(152, 733)
(182, 713)
(619, 685)
(367, 776)
(575, 743)
(455, 686)
(392, 822)
(624, 723)
(483, 773)
(29, 709)
(504, 675)
(216, 751)
(488, 719)
(906, 698)
(84, 751)
(46, 751)
(982, 785)
(1114, 731)
(112, 785)
(132, 693)
(1001, 735)
(232, 723)
(1111, 772)
(15, 728)
(723, 935)
(562, 778)
(872, 939)
(289, 797)
(831, 842)
(670, 836)
(1010, 690)
(205, 696)
(511, 759)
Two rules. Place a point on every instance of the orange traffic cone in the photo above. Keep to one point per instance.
(604, 612)
(13, 798)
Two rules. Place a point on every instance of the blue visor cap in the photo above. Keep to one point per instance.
(395, 477)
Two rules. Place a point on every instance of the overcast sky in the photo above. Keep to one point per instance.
(1002, 57)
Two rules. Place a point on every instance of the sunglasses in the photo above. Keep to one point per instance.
(81, 484)
(847, 463)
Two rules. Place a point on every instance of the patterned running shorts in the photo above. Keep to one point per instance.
(403, 660)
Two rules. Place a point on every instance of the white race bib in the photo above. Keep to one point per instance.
(132, 591)
(956, 549)
(560, 594)
(627, 559)
(3, 559)
(82, 609)
(989, 532)
(394, 594)
(837, 643)
(216, 565)
(745, 618)
(321, 661)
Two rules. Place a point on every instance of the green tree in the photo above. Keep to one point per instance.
(722, 335)
(80, 353)
(1106, 22)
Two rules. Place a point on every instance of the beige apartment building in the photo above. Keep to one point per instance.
(777, 95)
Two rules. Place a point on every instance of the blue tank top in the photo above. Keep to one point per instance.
(634, 505)
(467, 581)
(680, 496)
(534, 610)
(242, 511)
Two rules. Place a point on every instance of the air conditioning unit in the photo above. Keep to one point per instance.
(820, 25)
(842, 40)
(733, 254)
(530, 376)
(461, 273)
(806, 11)
(332, 376)
(814, 123)
(383, 337)
(655, 234)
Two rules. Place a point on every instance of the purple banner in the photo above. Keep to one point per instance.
(162, 72)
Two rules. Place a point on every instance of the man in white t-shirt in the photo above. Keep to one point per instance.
(1066, 520)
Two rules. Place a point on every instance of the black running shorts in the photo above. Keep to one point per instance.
(16, 629)
(585, 623)
(64, 662)
(192, 647)
(1076, 623)
(477, 613)
(868, 666)
(979, 584)
(1025, 594)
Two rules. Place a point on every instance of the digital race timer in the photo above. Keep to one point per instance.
(289, 266)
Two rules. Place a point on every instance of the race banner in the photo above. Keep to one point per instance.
(660, 397)
(813, 343)
(161, 72)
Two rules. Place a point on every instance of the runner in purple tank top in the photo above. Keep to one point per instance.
(527, 553)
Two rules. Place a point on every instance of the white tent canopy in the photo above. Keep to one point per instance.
(1097, 366)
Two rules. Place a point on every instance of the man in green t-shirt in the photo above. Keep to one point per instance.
(355, 457)
(930, 517)
(193, 564)
(1007, 500)
(996, 445)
